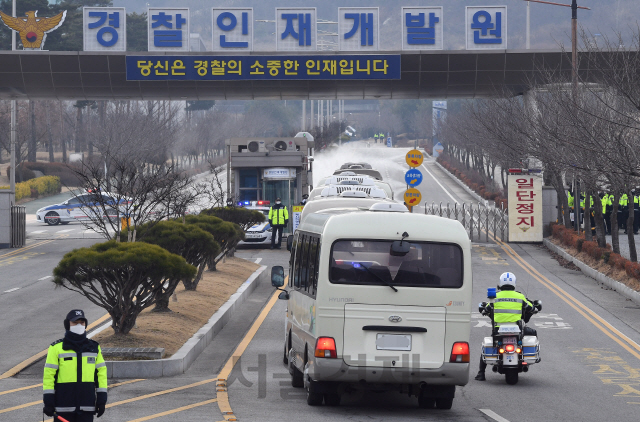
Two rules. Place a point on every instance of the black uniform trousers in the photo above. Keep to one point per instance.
(76, 417)
(607, 222)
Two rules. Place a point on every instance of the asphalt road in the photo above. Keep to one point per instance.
(590, 369)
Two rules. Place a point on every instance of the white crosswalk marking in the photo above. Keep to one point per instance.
(38, 232)
(12, 290)
(65, 231)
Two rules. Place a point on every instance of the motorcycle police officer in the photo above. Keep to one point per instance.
(75, 374)
(509, 306)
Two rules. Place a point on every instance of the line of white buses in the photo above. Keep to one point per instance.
(378, 298)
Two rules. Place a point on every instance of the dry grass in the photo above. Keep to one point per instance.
(601, 266)
(192, 310)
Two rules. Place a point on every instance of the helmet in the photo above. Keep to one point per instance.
(507, 279)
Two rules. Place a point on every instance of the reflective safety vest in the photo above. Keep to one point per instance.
(508, 305)
(605, 201)
(74, 378)
(278, 216)
(570, 198)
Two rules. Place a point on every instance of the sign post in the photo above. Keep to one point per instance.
(412, 178)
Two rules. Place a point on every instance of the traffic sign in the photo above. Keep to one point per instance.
(413, 177)
(412, 197)
(414, 158)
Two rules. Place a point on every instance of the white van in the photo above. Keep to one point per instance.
(378, 300)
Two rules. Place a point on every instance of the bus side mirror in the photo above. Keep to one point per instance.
(289, 242)
(283, 295)
(277, 276)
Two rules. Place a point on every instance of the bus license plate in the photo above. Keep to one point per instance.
(400, 342)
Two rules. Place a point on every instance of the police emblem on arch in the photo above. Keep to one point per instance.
(395, 318)
(32, 29)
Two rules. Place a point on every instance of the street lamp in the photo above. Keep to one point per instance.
(12, 173)
(574, 36)
(574, 76)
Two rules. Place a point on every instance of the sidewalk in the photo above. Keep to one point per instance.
(624, 243)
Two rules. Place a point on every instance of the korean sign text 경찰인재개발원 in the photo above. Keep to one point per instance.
(212, 68)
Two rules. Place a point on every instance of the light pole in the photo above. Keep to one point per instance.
(574, 35)
(12, 173)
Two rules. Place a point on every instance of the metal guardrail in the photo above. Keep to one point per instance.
(18, 226)
(476, 219)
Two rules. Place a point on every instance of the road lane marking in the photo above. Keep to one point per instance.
(439, 184)
(46, 277)
(65, 231)
(19, 367)
(493, 415)
(20, 389)
(38, 232)
(587, 313)
(258, 260)
(33, 403)
(171, 412)
(12, 290)
(221, 385)
(26, 248)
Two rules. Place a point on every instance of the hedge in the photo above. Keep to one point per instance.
(474, 180)
(570, 238)
(37, 187)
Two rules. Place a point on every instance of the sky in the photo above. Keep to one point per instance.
(550, 25)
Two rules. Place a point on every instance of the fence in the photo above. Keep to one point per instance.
(478, 219)
(18, 226)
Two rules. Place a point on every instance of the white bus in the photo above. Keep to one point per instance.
(378, 300)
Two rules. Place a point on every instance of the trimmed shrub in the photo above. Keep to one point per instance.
(606, 256)
(24, 170)
(36, 187)
(632, 269)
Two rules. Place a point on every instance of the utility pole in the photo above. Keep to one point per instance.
(574, 81)
(528, 25)
(12, 173)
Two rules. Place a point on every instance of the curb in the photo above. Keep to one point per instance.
(615, 285)
(463, 186)
(188, 353)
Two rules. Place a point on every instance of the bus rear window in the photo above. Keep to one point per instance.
(369, 262)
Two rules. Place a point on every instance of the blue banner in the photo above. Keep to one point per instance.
(261, 68)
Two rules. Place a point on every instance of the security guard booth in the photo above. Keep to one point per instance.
(268, 168)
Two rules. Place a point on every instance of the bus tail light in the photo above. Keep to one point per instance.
(326, 348)
(460, 352)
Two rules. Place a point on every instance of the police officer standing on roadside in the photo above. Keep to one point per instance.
(278, 218)
(75, 374)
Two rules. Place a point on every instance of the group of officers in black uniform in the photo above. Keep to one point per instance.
(625, 205)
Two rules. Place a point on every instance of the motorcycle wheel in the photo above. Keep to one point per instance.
(511, 377)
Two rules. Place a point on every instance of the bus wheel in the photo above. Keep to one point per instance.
(297, 377)
(332, 399)
(314, 398)
(426, 402)
(444, 403)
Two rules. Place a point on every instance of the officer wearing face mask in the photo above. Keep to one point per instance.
(75, 374)
(278, 218)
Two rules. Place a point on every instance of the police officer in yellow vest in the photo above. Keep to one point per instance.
(75, 374)
(509, 306)
(278, 218)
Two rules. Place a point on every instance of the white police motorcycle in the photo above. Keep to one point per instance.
(509, 350)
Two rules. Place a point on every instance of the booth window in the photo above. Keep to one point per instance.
(249, 185)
